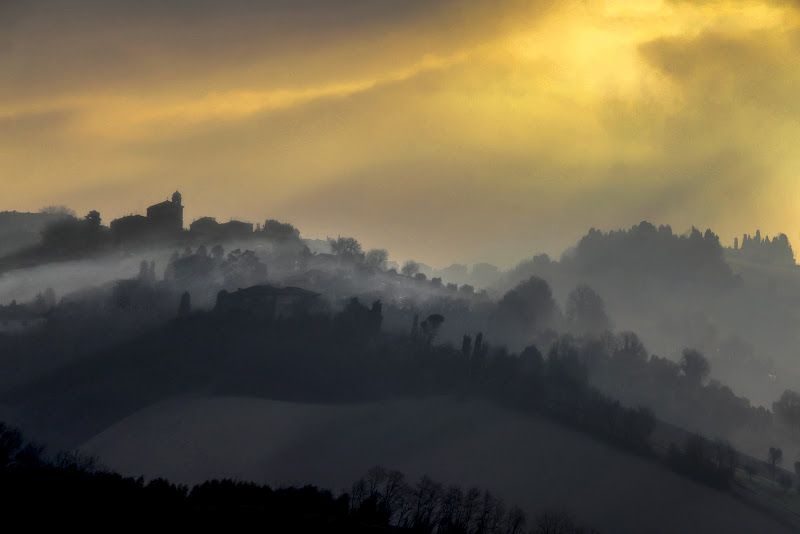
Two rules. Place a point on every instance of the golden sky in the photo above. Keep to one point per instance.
(440, 130)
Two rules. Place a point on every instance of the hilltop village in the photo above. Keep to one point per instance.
(164, 221)
(65, 236)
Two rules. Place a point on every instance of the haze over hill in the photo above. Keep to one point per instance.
(149, 310)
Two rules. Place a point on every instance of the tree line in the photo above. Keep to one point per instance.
(74, 485)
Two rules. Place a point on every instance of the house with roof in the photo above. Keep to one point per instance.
(163, 220)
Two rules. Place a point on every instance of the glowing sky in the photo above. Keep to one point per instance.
(441, 130)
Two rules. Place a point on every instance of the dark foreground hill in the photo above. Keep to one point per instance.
(525, 458)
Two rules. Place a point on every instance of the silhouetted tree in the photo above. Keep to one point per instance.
(347, 248)
(629, 349)
(515, 523)
(93, 219)
(478, 350)
(450, 510)
(694, 366)
(643, 253)
(78, 461)
(774, 457)
(586, 312)
(375, 317)
(241, 269)
(377, 258)
(711, 463)
(357, 321)
(427, 497)
(527, 308)
(554, 522)
(279, 231)
(410, 268)
(71, 236)
(10, 444)
(787, 408)
(185, 305)
(467, 289)
(197, 269)
(430, 327)
(466, 345)
(395, 496)
(490, 513)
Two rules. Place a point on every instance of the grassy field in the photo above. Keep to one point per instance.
(525, 459)
(788, 499)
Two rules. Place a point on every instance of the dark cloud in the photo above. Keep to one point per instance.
(118, 45)
(30, 127)
(733, 69)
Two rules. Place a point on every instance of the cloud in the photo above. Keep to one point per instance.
(462, 130)
(24, 127)
(122, 47)
(737, 95)
(753, 70)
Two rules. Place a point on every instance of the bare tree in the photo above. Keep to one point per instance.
(469, 510)
(451, 509)
(515, 522)
(375, 477)
(395, 491)
(358, 493)
(10, 444)
(554, 522)
(427, 497)
(79, 461)
(485, 514)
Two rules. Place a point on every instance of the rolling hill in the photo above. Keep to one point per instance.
(525, 459)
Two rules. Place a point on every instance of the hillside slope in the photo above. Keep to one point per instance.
(525, 459)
